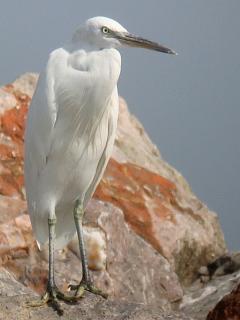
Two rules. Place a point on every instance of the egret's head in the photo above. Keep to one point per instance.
(101, 32)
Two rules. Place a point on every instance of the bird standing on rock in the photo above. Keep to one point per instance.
(69, 138)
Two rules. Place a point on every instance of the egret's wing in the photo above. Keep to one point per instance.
(63, 117)
(63, 218)
(112, 127)
(43, 115)
(40, 134)
(40, 123)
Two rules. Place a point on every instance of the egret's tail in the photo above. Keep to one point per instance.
(65, 228)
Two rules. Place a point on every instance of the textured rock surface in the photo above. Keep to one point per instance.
(150, 206)
(89, 308)
(133, 270)
(138, 273)
(229, 306)
(166, 228)
(14, 101)
(158, 203)
(9, 287)
(13, 297)
(197, 302)
(200, 298)
(156, 200)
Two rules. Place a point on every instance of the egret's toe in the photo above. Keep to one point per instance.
(52, 295)
(86, 286)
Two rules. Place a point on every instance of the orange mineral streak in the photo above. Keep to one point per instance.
(12, 126)
(131, 188)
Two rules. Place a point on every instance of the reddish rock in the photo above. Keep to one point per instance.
(134, 271)
(11, 208)
(13, 298)
(12, 124)
(131, 269)
(156, 201)
(142, 195)
(152, 208)
(14, 228)
(228, 308)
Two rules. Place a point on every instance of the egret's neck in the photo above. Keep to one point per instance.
(81, 45)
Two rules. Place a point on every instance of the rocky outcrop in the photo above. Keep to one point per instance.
(146, 232)
(156, 200)
(13, 298)
(200, 298)
(129, 270)
(196, 303)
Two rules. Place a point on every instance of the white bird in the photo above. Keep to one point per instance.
(69, 137)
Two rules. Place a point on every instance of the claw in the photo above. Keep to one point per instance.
(73, 287)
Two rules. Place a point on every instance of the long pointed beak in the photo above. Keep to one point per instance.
(135, 41)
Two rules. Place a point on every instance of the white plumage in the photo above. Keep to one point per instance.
(69, 137)
(72, 122)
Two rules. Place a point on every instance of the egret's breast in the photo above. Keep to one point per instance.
(103, 66)
(107, 63)
(79, 60)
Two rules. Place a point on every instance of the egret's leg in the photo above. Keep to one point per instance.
(86, 282)
(52, 293)
(51, 226)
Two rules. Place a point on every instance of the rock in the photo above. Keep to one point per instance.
(187, 236)
(13, 224)
(163, 221)
(156, 200)
(11, 141)
(225, 264)
(137, 271)
(9, 287)
(10, 208)
(14, 102)
(88, 308)
(195, 305)
(13, 298)
(228, 308)
(130, 269)
(200, 298)
(26, 83)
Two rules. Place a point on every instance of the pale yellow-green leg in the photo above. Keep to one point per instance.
(52, 294)
(86, 282)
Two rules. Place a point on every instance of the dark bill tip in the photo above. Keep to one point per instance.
(164, 49)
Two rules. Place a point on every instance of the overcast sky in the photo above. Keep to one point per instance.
(189, 104)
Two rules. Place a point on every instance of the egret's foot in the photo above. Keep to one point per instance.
(86, 286)
(52, 295)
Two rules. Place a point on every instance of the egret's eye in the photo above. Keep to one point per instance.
(105, 30)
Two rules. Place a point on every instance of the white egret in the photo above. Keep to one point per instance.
(69, 137)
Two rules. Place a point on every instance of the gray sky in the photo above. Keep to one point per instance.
(189, 104)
